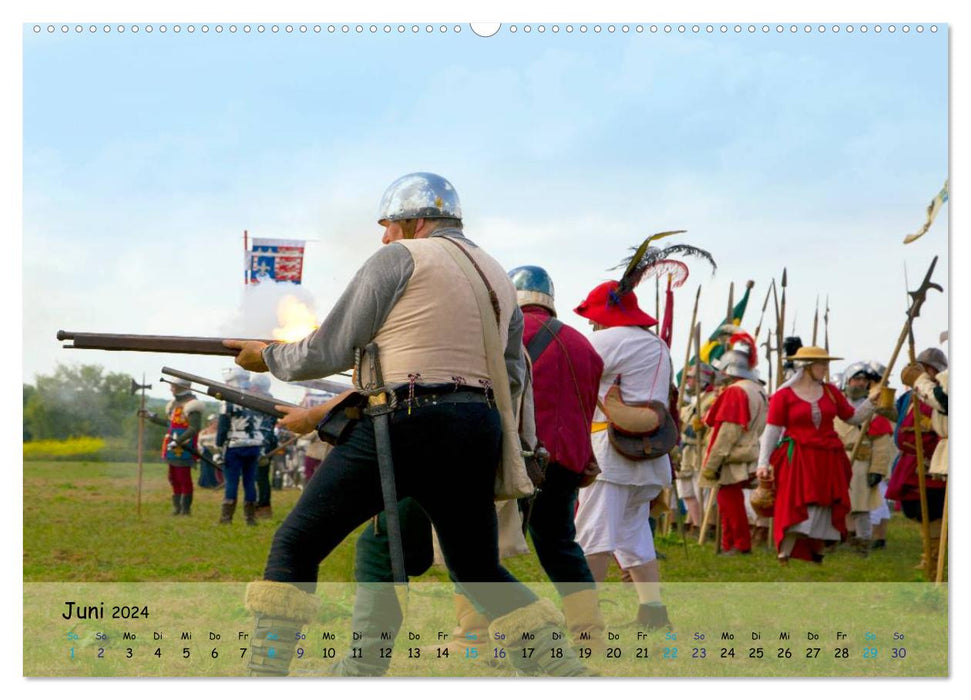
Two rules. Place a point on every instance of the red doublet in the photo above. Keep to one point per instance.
(562, 422)
(731, 406)
(810, 464)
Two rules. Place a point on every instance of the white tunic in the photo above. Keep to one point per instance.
(644, 364)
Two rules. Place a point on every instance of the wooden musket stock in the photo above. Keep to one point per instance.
(185, 345)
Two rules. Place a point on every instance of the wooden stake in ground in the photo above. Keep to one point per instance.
(925, 532)
(709, 511)
(942, 545)
(713, 491)
(135, 386)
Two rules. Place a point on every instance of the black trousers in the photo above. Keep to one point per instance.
(445, 457)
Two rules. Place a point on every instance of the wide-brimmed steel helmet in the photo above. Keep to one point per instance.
(533, 286)
(419, 196)
(933, 357)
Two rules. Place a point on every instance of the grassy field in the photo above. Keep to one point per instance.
(84, 541)
(81, 524)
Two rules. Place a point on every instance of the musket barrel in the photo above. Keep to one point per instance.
(185, 345)
(224, 392)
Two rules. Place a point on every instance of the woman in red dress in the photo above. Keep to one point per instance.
(810, 465)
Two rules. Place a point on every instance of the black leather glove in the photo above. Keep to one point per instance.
(873, 479)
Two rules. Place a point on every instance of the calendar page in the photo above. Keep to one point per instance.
(703, 333)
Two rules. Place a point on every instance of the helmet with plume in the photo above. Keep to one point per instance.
(740, 359)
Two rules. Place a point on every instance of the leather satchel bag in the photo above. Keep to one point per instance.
(640, 431)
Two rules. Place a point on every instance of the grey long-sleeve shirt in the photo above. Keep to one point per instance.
(359, 314)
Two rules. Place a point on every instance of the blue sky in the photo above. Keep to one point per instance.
(147, 155)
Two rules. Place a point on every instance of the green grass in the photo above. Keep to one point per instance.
(81, 523)
(85, 541)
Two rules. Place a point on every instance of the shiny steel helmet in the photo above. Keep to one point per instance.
(533, 286)
(877, 369)
(419, 196)
(237, 377)
(260, 381)
(740, 360)
(737, 363)
(858, 369)
(933, 357)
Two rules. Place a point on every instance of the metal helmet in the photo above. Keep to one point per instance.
(260, 381)
(736, 363)
(933, 357)
(419, 196)
(877, 369)
(533, 286)
(181, 383)
(858, 369)
(237, 377)
(705, 371)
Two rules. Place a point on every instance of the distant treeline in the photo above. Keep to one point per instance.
(82, 401)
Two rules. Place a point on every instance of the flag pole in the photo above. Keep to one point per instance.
(141, 434)
(245, 258)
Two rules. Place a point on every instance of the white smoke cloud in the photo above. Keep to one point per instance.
(257, 315)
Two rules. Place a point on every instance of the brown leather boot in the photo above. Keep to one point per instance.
(584, 621)
(249, 512)
(653, 617)
(760, 536)
(281, 611)
(226, 515)
(470, 639)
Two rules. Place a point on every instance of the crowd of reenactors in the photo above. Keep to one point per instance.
(607, 435)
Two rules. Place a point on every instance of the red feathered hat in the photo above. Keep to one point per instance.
(605, 306)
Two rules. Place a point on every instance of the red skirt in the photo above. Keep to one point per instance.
(809, 475)
(903, 484)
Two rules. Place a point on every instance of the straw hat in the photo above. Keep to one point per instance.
(811, 353)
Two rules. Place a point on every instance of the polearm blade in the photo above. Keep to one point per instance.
(379, 409)
(816, 321)
(826, 326)
(917, 300)
(765, 305)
